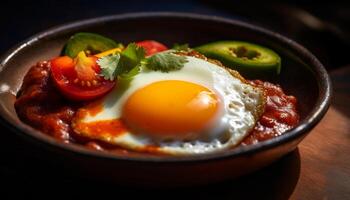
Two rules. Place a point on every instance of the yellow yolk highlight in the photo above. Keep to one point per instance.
(171, 109)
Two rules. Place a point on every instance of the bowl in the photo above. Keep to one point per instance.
(302, 75)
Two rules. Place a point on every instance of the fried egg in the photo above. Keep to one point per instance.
(201, 108)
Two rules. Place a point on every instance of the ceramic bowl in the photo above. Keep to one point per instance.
(302, 75)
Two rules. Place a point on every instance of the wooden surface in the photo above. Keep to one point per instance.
(325, 153)
(318, 169)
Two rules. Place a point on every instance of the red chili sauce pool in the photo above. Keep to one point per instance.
(279, 116)
(40, 105)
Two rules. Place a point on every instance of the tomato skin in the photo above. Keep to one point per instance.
(62, 65)
(65, 62)
(62, 72)
(152, 46)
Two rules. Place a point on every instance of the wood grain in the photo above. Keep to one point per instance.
(325, 153)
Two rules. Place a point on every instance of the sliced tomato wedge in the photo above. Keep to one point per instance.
(78, 79)
(152, 46)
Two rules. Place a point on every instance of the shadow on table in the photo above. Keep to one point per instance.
(276, 181)
(341, 90)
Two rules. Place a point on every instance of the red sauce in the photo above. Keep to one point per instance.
(98, 129)
(40, 105)
(103, 128)
(91, 109)
(279, 116)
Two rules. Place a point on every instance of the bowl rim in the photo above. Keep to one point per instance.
(304, 126)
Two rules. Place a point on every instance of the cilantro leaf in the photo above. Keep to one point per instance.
(131, 73)
(108, 66)
(121, 64)
(129, 62)
(130, 58)
(181, 47)
(165, 61)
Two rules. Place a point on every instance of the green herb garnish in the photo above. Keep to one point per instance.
(165, 61)
(108, 66)
(119, 64)
(128, 63)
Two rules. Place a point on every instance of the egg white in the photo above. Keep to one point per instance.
(240, 109)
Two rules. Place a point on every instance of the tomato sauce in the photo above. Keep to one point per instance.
(41, 105)
(103, 128)
(279, 116)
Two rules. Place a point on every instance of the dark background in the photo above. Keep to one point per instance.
(324, 28)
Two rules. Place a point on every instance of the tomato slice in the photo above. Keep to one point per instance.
(78, 79)
(152, 46)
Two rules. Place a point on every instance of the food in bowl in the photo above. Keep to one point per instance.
(144, 97)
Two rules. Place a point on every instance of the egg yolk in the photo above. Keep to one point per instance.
(171, 109)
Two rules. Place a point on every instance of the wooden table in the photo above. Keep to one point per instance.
(325, 153)
(318, 169)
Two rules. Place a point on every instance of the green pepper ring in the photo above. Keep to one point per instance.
(253, 61)
(94, 43)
